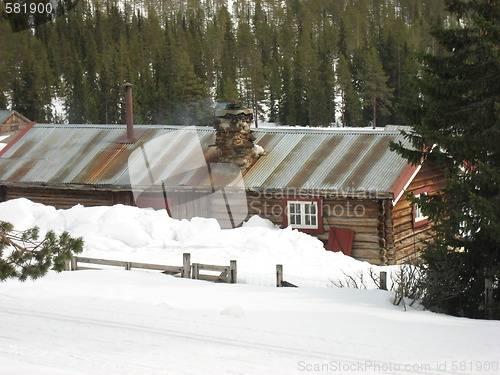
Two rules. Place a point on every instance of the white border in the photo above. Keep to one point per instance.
(304, 226)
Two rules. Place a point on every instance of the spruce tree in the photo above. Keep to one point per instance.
(31, 88)
(457, 128)
(226, 89)
(350, 100)
(23, 255)
(376, 94)
(274, 80)
(251, 70)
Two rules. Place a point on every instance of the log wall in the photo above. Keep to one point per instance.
(13, 124)
(407, 237)
(66, 198)
(383, 233)
(359, 214)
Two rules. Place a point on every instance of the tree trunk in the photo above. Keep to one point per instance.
(343, 109)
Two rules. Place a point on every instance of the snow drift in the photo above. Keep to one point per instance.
(144, 235)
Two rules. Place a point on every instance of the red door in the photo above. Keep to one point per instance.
(340, 239)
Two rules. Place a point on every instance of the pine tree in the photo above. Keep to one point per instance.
(227, 71)
(274, 80)
(286, 42)
(325, 94)
(251, 69)
(4, 29)
(23, 255)
(31, 89)
(457, 128)
(376, 94)
(76, 93)
(350, 100)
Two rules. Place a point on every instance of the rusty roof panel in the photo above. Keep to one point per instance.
(327, 162)
(324, 148)
(339, 160)
(335, 160)
(353, 162)
(384, 168)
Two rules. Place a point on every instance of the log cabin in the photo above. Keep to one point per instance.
(12, 121)
(11, 124)
(343, 186)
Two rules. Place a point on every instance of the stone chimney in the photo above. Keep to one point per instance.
(234, 139)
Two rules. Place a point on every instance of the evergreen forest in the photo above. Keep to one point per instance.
(295, 62)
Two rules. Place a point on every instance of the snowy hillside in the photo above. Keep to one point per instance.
(117, 322)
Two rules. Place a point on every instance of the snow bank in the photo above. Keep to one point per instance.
(144, 235)
(2, 137)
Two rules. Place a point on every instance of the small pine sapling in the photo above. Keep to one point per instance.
(23, 255)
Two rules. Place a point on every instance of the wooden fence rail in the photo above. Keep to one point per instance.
(228, 274)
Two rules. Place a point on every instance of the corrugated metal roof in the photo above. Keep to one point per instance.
(335, 160)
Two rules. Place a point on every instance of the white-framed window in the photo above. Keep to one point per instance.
(418, 214)
(303, 214)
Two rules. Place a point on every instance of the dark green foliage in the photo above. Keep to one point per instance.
(23, 255)
(350, 101)
(457, 125)
(300, 62)
(31, 86)
(376, 94)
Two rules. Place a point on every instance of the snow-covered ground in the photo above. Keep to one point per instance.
(2, 137)
(114, 321)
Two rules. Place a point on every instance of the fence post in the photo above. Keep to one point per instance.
(488, 297)
(232, 272)
(186, 265)
(383, 280)
(279, 275)
(71, 264)
(128, 266)
(196, 271)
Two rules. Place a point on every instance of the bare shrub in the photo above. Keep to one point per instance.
(407, 284)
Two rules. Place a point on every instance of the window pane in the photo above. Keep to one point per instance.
(303, 214)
